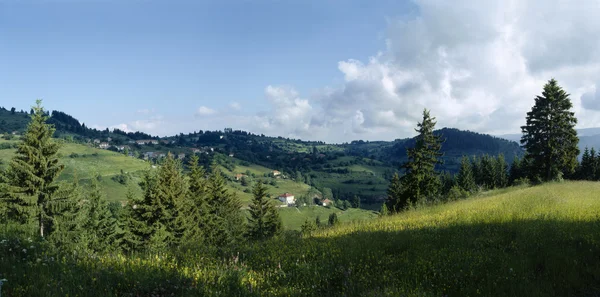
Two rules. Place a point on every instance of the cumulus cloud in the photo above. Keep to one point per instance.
(591, 100)
(477, 65)
(205, 111)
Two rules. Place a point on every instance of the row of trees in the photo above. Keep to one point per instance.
(549, 139)
(176, 208)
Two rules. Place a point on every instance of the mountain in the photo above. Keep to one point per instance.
(360, 167)
(588, 137)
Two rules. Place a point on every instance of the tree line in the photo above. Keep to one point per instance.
(176, 208)
(549, 139)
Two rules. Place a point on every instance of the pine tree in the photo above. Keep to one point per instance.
(488, 172)
(68, 219)
(477, 172)
(549, 136)
(421, 181)
(586, 166)
(194, 213)
(172, 191)
(356, 201)
(226, 226)
(100, 226)
(394, 202)
(447, 181)
(501, 168)
(516, 171)
(132, 224)
(264, 221)
(465, 178)
(333, 219)
(594, 164)
(33, 195)
(384, 210)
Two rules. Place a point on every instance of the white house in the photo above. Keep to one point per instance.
(287, 199)
(104, 145)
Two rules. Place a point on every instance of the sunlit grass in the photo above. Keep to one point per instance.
(539, 241)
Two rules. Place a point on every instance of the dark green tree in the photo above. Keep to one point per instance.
(100, 226)
(549, 135)
(421, 181)
(515, 171)
(395, 201)
(595, 162)
(264, 221)
(356, 201)
(465, 178)
(586, 168)
(33, 195)
(134, 229)
(501, 169)
(333, 219)
(195, 213)
(227, 224)
(171, 192)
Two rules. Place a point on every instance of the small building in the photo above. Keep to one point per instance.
(149, 155)
(104, 145)
(122, 147)
(97, 141)
(239, 176)
(109, 139)
(326, 202)
(181, 156)
(287, 199)
(276, 173)
(231, 155)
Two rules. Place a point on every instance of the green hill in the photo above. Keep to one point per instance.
(539, 241)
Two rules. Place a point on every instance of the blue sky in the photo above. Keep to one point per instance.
(329, 70)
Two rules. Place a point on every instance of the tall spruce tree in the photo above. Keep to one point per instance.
(33, 195)
(394, 201)
(586, 167)
(195, 213)
(171, 191)
(132, 224)
(594, 164)
(227, 224)
(516, 171)
(264, 221)
(100, 226)
(501, 168)
(421, 181)
(465, 178)
(549, 136)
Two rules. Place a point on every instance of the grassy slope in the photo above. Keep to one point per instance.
(293, 218)
(541, 241)
(90, 162)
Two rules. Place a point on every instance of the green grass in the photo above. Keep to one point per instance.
(540, 241)
(293, 217)
(92, 161)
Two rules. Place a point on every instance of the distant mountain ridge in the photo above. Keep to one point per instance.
(588, 137)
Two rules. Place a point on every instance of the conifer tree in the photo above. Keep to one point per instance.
(585, 168)
(594, 164)
(488, 172)
(465, 178)
(68, 219)
(333, 219)
(447, 181)
(132, 224)
(33, 195)
(549, 135)
(501, 168)
(171, 191)
(194, 212)
(100, 226)
(421, 181)
(477, 172)
(264, 221)
(394, 202)
(384, 210)
(227, 225)
(516, 170)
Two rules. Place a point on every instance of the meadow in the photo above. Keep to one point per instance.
(537, 241)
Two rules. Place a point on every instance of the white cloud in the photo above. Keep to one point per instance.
(145, 111)
(235, 106)
(205, 111)
(478, 65)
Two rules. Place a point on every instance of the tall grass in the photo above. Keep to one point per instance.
(539, 241)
